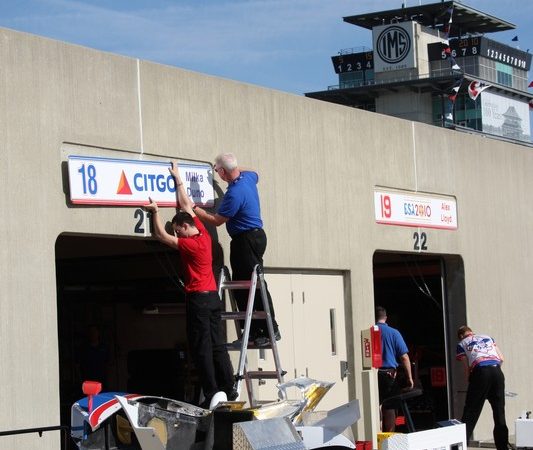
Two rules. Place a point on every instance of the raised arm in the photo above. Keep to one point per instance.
(210, 218)
(206, 217)
(159, 231)
(182, 198)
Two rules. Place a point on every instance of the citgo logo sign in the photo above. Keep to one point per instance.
(112, 181)
(393, 44)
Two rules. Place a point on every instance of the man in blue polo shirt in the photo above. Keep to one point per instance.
(394, 352)
(240, 210)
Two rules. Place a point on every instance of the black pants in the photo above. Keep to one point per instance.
(487, 383)
(206, 343)
(247, 250)
(388, 387)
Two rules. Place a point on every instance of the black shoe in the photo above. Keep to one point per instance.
(262, 341)
(251, 338)
(232, 395)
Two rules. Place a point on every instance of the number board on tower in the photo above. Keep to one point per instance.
(481, 46)
(459, 48)
(353, 62)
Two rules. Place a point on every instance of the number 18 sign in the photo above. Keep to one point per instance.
(111, 181)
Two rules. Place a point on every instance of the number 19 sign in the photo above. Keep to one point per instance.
(414, 209)
(109, 181)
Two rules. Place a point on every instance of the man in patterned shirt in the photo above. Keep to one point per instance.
(486, 381)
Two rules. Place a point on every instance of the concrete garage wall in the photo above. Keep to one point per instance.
(318, 163)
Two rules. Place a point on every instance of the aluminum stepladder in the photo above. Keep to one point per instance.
(257, 280)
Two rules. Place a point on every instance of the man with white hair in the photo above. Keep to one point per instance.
(240, 210)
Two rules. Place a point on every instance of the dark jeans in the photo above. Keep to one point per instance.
(247, 250)
(206, 342)
(487, 383)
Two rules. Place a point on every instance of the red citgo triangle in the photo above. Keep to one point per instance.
(123, 185)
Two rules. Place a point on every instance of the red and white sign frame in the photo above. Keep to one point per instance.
(113, 181)
(415, 209)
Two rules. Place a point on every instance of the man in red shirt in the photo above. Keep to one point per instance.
(203, 304)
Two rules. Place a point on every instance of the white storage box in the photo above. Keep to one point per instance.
(524, 432)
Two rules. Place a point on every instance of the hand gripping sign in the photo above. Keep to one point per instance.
(111, 181)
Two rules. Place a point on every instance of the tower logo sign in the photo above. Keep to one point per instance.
(393, 44)
(394, 47)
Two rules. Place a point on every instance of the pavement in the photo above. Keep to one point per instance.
(476, 445)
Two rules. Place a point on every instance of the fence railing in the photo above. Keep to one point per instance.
(65, 429)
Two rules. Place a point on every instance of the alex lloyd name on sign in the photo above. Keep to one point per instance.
(412, 209)
(108, 181)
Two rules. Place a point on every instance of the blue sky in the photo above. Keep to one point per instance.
(280, 44)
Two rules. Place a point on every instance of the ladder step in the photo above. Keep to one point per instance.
(241, 315)
(267, 402)
(240, 284)
(232, 346)
(258, 374)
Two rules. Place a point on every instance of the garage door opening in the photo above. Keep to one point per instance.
(424, 298)
(121, 318)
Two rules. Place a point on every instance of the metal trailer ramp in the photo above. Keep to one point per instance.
(269, 434)
(446, 438)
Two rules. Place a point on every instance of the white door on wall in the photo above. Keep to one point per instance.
(310, 312)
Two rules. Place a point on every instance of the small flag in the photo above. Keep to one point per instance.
(515, 39)
(455, 89)
(449, 56)
(446, 43)
(453, 96)
(475, 88)
(530, 85)
(448, 26)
